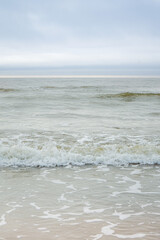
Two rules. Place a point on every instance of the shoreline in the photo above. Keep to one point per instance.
(80, 166)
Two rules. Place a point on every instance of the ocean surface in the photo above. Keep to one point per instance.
(78, 121)
(79, 158)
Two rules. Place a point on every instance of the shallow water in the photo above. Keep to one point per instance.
(80, 203)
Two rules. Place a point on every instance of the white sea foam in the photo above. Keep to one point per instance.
(26, 150)
(47, 215)
(35, 206)
(123, 216)
(2, 220)
(94, 220)
(97, 236)
(107, 230)
(133, 236)
(88, 210)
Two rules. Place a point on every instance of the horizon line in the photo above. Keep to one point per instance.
(79, 76)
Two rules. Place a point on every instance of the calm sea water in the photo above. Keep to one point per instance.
(66, 153)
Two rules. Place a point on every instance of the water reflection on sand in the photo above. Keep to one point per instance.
(90, 202)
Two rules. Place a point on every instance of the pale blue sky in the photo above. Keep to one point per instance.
(57, 33)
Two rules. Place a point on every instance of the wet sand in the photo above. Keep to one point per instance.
(91, 202)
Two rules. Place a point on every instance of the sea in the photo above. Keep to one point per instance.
(79, 157)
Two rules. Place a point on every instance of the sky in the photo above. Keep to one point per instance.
(80, 33)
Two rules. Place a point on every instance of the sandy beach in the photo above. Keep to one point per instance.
(80, 203)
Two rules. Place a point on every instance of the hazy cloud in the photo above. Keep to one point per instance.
(76, 32)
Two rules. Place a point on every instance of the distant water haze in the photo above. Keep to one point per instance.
(127, 70)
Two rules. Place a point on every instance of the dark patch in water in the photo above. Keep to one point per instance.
(49, 87)
(7, 90)
(128, 95)
(70, 87)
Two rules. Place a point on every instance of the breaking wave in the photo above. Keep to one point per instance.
(49, 152)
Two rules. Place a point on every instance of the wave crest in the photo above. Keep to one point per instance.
(51, 153)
